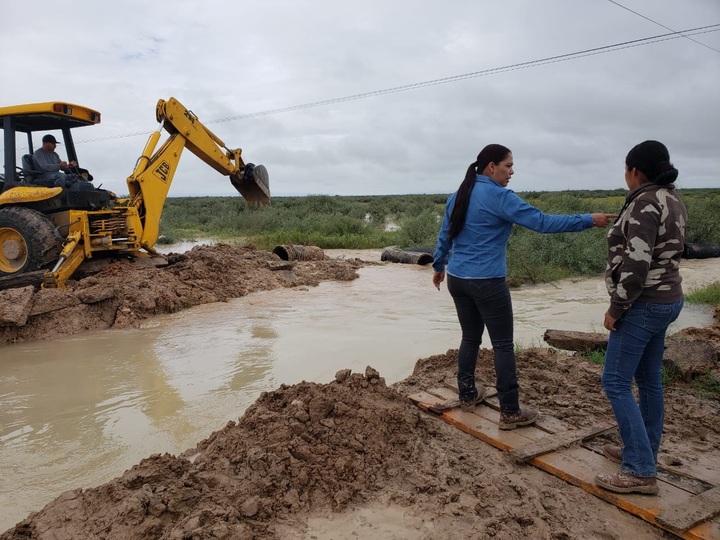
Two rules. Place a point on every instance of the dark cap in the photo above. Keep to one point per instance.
(49, 138)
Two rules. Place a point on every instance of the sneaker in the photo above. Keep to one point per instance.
(524, 417)
(621, 482)
(613, 452)
(469, 406)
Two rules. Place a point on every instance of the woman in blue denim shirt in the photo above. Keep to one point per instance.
(472, 245)
(644, 283)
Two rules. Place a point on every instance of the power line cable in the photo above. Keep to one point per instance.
(662, 25)
(445, 80)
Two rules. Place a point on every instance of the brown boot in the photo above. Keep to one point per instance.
(469, 406)
(621, 482)
(524, 417)
(613, 452)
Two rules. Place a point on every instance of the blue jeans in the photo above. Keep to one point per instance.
(480, 303)
(635, 350)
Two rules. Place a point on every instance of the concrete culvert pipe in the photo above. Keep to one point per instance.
(299, 253)
(430, 250)
(392, 254)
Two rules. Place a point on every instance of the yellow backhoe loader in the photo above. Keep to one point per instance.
(47, 232)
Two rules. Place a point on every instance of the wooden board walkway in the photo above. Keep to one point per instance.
(686, 506)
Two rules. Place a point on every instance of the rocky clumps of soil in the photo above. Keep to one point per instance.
(297, 448)
(123, 293)
(569, 389)
(311, 450)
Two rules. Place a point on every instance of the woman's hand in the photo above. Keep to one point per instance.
(438, 278)
(609, 322)
(602, 220)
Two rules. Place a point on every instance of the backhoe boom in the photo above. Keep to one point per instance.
(42, 226)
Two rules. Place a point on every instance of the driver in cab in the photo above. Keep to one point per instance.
(55, 172)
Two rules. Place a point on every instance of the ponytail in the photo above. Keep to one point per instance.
(492, 153)
(462, 199)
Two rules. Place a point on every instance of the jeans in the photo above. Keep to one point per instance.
(635, 350)
(480, 303)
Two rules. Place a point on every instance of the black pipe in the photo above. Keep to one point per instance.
(299, 253)
(392, 254)
(701, 251)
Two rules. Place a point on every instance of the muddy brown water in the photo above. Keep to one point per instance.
(77, 412)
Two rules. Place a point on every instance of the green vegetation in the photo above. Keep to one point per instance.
(596, 356)
(708, 386)
(374, 222)
(705, 386)
(705, 295)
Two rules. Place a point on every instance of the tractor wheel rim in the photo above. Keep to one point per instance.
(13, 250)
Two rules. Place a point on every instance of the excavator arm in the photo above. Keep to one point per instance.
(133, 224)
(150, 181)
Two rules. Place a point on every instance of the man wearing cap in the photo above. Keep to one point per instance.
(53, 168)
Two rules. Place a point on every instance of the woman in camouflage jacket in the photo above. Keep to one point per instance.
(644, 283)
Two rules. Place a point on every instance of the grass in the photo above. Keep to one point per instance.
(708, 386)
(361, 222)
(596, 356)
(705, 295)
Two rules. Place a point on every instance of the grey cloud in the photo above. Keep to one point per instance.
(569, 124)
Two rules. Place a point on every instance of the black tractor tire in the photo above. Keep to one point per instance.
(28, 241)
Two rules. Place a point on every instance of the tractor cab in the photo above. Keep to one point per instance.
(23, 129)
(34, 217)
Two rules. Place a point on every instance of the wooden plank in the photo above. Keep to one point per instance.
(672, 476)
(22, 280)
(479, 427)
(448, 399)
(451, 384)
(576, 341)
(491, 411)
(576, 465)
(547, 423)
(544, 422)
(556, 441)
(697, 509)
(487, 430)
(444, 403)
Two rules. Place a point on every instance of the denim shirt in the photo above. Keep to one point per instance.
(479, 250)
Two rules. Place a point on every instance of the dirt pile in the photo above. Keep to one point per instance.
(298, 448)
(304, 453)
(121, 294)
(568, 388)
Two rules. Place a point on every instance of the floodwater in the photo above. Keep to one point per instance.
(79, 411)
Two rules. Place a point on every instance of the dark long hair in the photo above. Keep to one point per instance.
(492, 153)
(653, 160)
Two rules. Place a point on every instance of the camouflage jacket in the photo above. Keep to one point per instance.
(644, 249)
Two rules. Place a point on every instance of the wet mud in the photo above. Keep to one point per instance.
(123, 293)
(350, 458)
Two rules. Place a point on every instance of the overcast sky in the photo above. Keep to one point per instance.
(569, 124)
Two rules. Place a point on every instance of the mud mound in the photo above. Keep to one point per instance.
(569, 388)
(708, 334)
(123, 293)
(300, 447)
(311, 451)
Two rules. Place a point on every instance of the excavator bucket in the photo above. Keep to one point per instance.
(253, 184)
